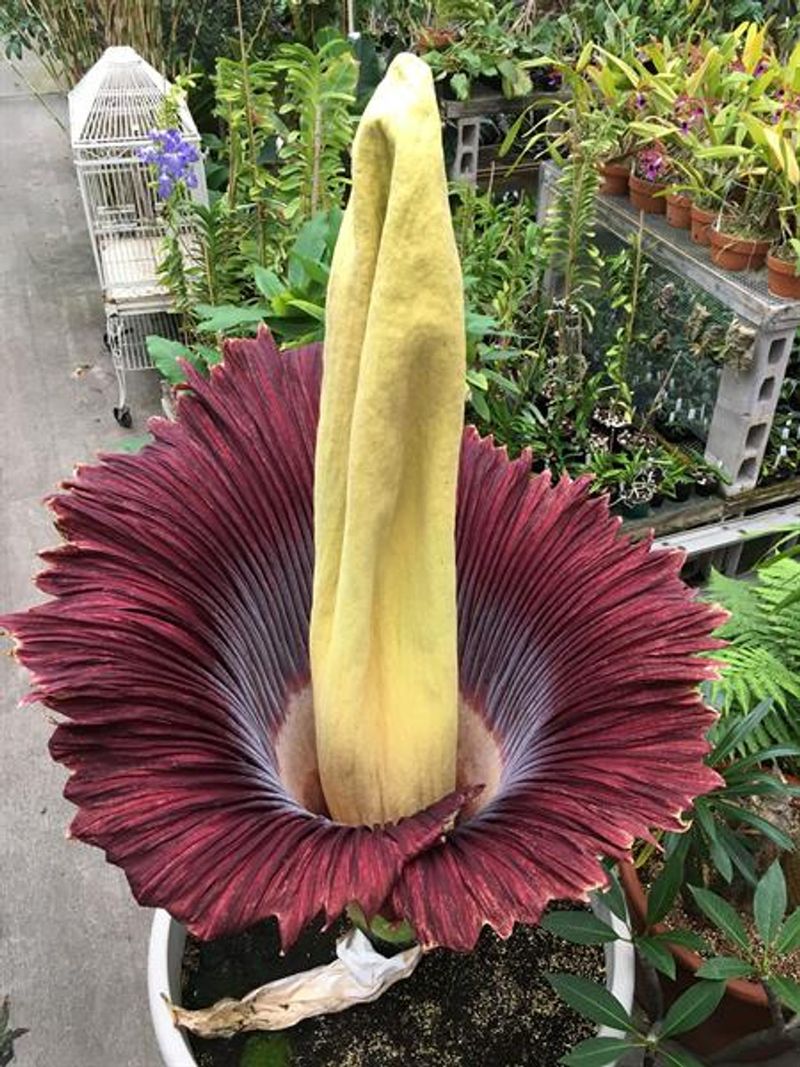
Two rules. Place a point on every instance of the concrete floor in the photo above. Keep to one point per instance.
(72, 941)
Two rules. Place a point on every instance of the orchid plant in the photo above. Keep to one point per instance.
(316, 645)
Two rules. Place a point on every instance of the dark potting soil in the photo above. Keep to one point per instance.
(489, 1008)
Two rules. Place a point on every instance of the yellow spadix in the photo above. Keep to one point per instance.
(383, 623)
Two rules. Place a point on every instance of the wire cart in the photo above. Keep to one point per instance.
(112, 111)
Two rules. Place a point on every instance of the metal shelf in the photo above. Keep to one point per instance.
(745, 292)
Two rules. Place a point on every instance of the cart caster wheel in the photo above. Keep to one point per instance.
(123, 416)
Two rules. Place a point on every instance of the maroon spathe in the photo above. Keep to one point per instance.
(178, 630)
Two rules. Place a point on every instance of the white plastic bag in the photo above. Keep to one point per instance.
(357, 976)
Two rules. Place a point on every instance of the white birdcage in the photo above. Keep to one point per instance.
(112, 112)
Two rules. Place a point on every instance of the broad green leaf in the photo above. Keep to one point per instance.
(789, 937)
(692, 1007)
(770, 831)
(212, 356)
(742, 858)
(738, 730)
(317, 272)
(578, 927)
(769, 903)
(314, 311)
(724, 967)
(685, 938)
(478, 401)
(592, 1000)
(226, 317)
(788, 991)
(585, 56)
(672, 1056)
(657, 953)
(665, 888)
(133, 444)
(614, 898)
(263, 1050)
(478, 379)
(267, 282)
(596, 1052)
(165, 354)
(460, 85)
(723, 916)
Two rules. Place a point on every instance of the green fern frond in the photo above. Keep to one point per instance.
(763, 656)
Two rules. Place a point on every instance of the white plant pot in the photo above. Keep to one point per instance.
(165, 955)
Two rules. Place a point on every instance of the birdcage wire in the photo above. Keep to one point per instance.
(112, 112)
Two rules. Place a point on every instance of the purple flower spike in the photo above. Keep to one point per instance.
(173, 158)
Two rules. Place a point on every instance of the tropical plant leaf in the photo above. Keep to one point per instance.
(724, 967)
(788, 990)
(692, 1008)
(263, 1050)
(658, 954)
(724, 917)
(789, 937)
(165, 354)
(665, 888)
(578, 927)
(596, 1052)
(592, 1000)
(673, 1056)
(769, 903)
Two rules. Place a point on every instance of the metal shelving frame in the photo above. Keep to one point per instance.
(746, 399)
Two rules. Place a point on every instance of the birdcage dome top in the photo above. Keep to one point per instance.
(119, 101)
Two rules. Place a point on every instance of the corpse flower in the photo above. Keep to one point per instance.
(494, 688)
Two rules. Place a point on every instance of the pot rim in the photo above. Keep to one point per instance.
(615, 166)
(165, 956)
(743, 245)
(702, 214)
(738, 988)
(642, 185)
(782, 266)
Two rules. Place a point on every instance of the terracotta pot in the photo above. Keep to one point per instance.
(782, 278)
(742, 1011)
(643, 195)
(615, 178)
(737, 253)
(679, 211)
(701, 220)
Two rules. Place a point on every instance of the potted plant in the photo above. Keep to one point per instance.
(721, 81)
(738, 830)
(778, 143)
(166, 954)
(762, 958)
(717, 851)
(474, 43)
(649, 180)
(741, 237)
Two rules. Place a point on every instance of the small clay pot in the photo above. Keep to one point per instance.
(744, 1008)
(782, 278)
(679, 210)
(701, 220)
(737, 253)
(615, 178)
(643, 195)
